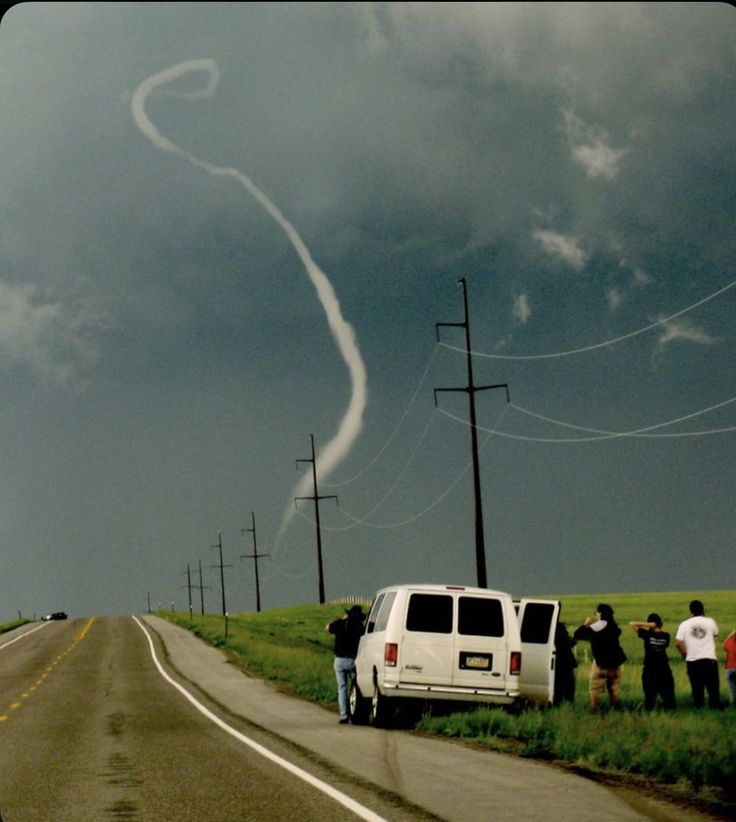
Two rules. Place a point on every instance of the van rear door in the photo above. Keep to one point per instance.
(537, 626)
(426, 648)
(481, 643)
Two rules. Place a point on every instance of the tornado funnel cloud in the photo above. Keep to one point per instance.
(351, 424)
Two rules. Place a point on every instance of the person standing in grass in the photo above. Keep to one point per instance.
(695, 641)
(347, 632)
(656, 676)
(602, 632)
(729, 646)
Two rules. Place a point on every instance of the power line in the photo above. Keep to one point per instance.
(396, 481)
(282, 572)
(393, 433)
(641, 433)
(604, 344)
(418, 515)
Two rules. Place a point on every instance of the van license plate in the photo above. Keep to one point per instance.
(477, 662)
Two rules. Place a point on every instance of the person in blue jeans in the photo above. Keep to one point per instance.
(347, 632)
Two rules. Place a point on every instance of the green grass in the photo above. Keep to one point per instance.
(16, 623)
(288, 646)
(688, 754)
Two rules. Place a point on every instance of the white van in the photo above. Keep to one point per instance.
(452, 642)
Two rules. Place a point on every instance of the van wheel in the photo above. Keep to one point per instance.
(382, 711)
(358, 706)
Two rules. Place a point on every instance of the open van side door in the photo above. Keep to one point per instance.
(537, 626)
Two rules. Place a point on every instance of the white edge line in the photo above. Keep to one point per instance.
(338, 796)
(27, 633)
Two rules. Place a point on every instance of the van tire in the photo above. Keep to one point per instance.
(358, 706)
(382, 710)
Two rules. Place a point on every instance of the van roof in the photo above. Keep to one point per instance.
(437, 588)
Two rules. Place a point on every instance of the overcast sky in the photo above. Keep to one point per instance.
(204, 263)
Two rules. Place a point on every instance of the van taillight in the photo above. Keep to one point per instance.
(390, 654)
(515, 663)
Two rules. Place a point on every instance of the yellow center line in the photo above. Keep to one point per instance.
(85, 630)
(26, 695)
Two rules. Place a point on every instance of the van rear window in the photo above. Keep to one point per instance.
(537, 623)
(430, 613)
(480, 617)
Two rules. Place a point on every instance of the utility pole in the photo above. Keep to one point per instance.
(201, 587)
(189, 587)
(470, 390)
(255, 556)
(316, 499)
(149, 602)
(222, 567)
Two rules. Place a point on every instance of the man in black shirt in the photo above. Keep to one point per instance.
(656, 676)
(347, 632)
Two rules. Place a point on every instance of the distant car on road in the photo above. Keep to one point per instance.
(56, 615)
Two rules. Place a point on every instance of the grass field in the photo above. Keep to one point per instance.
(8, 626)
(688, 754)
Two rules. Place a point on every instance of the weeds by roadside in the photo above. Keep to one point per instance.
(9, 626)
(691, 751)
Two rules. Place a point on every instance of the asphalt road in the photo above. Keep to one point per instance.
(91, 731)
(121, 719)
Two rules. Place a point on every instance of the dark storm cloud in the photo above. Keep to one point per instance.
(165, 357)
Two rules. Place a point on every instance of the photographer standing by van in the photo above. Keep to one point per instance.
(347, 632)
(602, 632)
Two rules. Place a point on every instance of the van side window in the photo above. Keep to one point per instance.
(537, 622)
(430, 613)
(373, 616)
(383, 616)
(480, 617)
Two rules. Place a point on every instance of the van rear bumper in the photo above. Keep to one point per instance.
(411, 690)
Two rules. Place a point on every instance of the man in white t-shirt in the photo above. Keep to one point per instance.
(695, 641)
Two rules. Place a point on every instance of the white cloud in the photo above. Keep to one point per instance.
(522, 310)
(641, 279)
(563, 246)
(636, 278)
(682, 331)
(590, 147)
(615, 298)
(44, 337)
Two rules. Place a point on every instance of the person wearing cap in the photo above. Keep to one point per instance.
(602, 632)
(347, 632)
(656, 675)
(695, 641)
